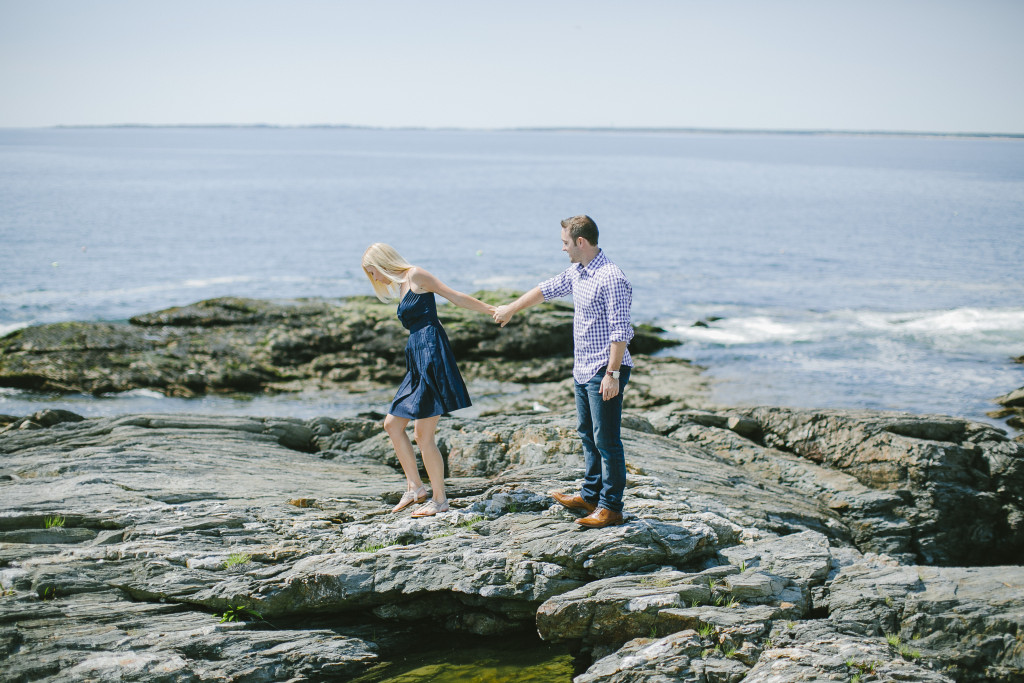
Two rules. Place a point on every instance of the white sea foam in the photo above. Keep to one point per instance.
(501, 282)
(136, 393)
(956, 328)
(62, 296)
(969, 320)
(7, 329)
(752, 330)
(56, 305)
(55, 295)
(197, 283)
(767, 328)
(938, 361)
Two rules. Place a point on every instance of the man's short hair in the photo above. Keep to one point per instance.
(581, 226)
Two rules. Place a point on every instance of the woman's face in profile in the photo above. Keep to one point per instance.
(376, 275)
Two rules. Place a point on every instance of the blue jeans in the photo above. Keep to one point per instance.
(599, 424)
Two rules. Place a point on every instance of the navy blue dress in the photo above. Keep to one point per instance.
(433, 384)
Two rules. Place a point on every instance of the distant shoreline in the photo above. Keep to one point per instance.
(543, 129)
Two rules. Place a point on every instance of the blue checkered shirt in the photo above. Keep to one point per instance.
(602, 297)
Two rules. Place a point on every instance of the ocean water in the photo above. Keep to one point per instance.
(858, 271)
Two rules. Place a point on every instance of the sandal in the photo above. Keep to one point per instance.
(431, 508)
(417, 495)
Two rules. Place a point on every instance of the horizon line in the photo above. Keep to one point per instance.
(584, 129)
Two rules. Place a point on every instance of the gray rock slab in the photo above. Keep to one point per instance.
(194, 515)
(814, 650)
(968, 619)
(738, 605)
(105, 637)
(960, 483)
(678, 657)
(803, 557)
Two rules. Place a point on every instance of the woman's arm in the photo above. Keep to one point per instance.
(425, 280)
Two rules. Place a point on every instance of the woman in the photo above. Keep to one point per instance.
(432, 384)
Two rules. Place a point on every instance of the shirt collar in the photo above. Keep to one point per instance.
(594, 264)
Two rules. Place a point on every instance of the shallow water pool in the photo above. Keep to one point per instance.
(522, 661)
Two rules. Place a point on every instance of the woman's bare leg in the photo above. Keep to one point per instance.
(432, 461)
(395, 427)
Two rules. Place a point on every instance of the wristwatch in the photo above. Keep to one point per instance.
(613, 373)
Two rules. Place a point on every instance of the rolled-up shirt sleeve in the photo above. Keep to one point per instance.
(558, 286)
(620, 300)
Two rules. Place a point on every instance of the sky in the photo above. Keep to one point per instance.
(869, 65)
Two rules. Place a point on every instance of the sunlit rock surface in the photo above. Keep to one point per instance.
(200, 547)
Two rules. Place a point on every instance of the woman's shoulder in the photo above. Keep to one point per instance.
(420, 279)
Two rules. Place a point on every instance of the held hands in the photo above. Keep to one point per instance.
(609, 388)
(502, 314)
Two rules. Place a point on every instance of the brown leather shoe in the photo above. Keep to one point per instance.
(600, 518)
(574, 502)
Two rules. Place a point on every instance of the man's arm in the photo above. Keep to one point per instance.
(559, 285)
(619, 301)
(610, 385)
(504, 313)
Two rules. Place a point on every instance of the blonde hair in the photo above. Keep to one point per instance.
(390, 264)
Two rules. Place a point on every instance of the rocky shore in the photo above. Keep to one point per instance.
(233, 345)
(1012, 406)
(761, 544)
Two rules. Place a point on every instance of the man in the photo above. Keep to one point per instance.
(601, 330)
